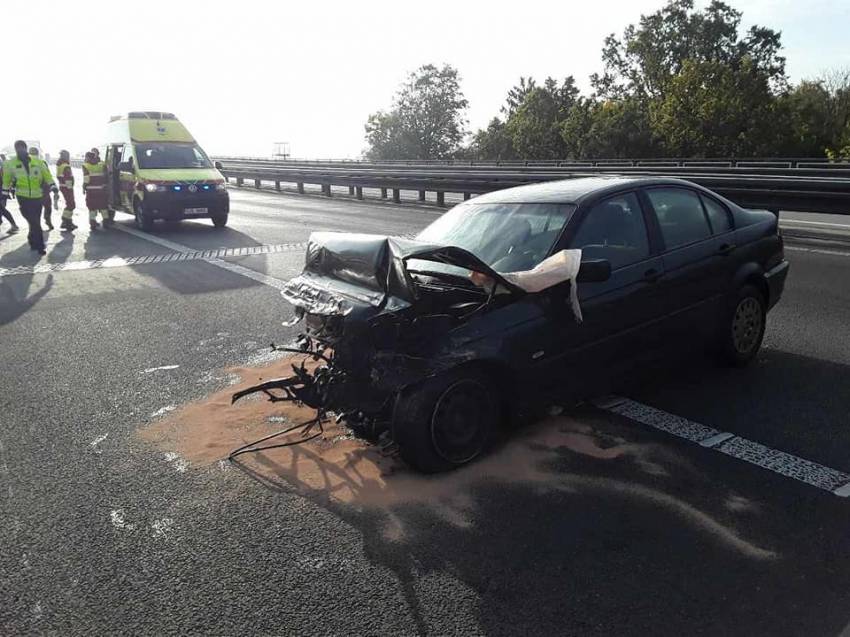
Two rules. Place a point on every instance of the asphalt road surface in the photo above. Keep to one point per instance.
(632, 528)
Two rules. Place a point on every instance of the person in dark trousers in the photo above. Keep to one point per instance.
(29, 176)
(46, 199)
(4, 211)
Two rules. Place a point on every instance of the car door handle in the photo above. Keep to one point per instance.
(652, 275)
(726, 249)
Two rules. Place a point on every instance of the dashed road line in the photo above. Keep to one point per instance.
(210, 256)
(214, 257)
(786, 464)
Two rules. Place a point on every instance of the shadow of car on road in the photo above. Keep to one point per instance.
(590, 528)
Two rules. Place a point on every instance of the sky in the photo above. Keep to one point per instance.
(244, 75)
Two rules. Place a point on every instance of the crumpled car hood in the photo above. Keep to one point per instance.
(344, 271)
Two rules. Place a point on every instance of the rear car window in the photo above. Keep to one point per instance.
(680, 216)
(614, 229)
(717, 215)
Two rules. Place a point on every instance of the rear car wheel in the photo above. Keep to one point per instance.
(743, 327)
(143, 220)
(447, 421)
(219, 221)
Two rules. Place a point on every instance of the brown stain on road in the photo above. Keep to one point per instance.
(348, 471)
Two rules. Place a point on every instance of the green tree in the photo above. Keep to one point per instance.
(492, 142)
(649, 56)
(534, 126)
(427, 120)
(809, 130)
(609, 129)
(712, 109)
(517, 94)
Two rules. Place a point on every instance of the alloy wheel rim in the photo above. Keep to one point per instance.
(746, 325)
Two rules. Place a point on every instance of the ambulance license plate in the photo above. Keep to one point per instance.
(196, 211)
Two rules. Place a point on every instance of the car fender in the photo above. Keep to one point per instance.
(749, 273)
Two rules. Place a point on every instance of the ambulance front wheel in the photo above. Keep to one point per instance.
(219, 221)
(143, 220)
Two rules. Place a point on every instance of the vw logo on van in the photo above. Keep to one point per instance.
(193, 188)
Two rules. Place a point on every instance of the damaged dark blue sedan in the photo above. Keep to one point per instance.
(430, 344)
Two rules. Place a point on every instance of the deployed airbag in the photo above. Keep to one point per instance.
(560, 267)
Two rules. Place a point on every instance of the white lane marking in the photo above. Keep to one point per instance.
(248, 272)
(844, 491)
(116, 262)
(837, 253)
(786, 464)
(150, 370)
(152, 238)
(712, 442)
(225, 265)
(116, 516)
(803, 222)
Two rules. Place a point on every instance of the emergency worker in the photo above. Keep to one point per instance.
(65, 177)
(45, 199)
(4, 211)
(29, 176)
(94, 188)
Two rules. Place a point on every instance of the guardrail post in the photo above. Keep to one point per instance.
(466, 196)
(327, 189)
(396, 195)
(359, 191)
(421, 195)
(300, 188)
(277, 185)
(351, 190)
(256, 183)
(441, 198)
(239, 181)
(383, 193)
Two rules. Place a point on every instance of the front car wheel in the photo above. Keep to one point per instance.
(447, 421)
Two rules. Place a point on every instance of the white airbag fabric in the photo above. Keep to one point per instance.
(561, 266)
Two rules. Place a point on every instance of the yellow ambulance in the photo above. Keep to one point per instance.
(156, 170)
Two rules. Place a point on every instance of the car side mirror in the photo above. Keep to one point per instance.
(594, 271)
(218, 165)
(126, 166)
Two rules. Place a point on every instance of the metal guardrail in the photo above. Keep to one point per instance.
(801, 189)
(683, 162)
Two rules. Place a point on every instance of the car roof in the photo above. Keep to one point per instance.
(573, 190)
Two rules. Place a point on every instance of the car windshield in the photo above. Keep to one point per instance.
(171, 156)
(509, 237)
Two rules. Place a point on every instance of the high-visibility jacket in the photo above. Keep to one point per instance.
(29, 181)
(94, 175)
(64, 175)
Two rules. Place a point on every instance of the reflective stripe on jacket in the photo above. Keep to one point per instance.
(64, 175)
(30, 181)
(94, 175)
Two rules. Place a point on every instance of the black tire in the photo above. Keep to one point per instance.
(447, 421)
(742, 328)
(143, 220)
(219, 221)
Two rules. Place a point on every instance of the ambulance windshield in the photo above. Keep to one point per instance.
(171, 156)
